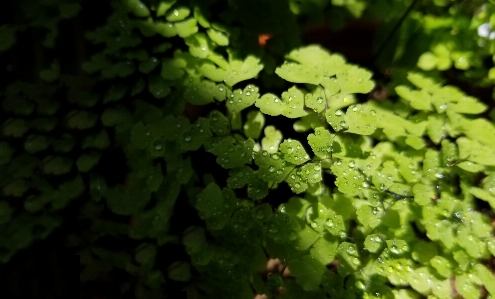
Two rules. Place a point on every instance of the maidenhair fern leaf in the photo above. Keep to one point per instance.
(57, 165)
(420, 100)
(201, 92)
(125, 202)
(316, 100)
(219, 123)
(369, 216)
(296, 181)
(199, 45)
(87, 161)
(187, 27)
(350, 181)
(476, 152)
(238, 99)
(325, 249)
(272, 167)
(239, 177)
(349, 261)
(308, 122)
(257, 188)
(271, 141)
(294, 152)
(355, 80)
(254, 124)
(240, 70)
(197, 134)
(361, 119)
(290, 105)
(308, 272)
(373, 243)
(336, 118)
(232, 153)
(322, 144)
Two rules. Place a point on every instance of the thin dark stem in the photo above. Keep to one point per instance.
(394, 30)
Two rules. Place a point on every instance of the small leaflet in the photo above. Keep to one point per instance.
(272, 167)
(361, 119)
(290, 105)
(239, 70)
(232, 153)
(239, 99)
(254, 124)
(294, 152)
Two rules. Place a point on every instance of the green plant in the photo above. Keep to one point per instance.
(187, 154)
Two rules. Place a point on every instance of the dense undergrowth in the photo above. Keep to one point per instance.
(179, 145)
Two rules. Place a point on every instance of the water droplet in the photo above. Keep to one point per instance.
(271, 169)
(275, 157)
(297, 185)
(221, 88)
(338, 112)
(320, 100)
(329, 223)
(265, 153)
(187, 138)
(355, 108)
(343, 124)
(239, 100)
(276, 100)
(372, 112)
(248, 93)
(231, 102)
(158, 147)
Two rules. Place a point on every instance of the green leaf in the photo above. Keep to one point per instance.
(474, 151)
(36, 143)
(178, 14)
(124, 202)
(325, 249)
(87, 161)
(271, 141)
(238, 99)
(239, 177)
(186, 28)
(465, 287)
(219, 124)
(254, 124)
(424, 251)
(210, 71)
(137, 8)
(240, 70)
(15, 127)
(179, 271)
(369, 216)
(291, 104)
(232, 153)
(172, 69)
(480, 130)
(218, 37)
(423, 194)
(322, 143)
(272, 168)
(197, 134)
(314, 65)
(418, 99)
(7, 37)
(199, 45)
(349, 261)
(308, 272)
(361, 119)
(350, 181)
(80, 119)
(16, 188)
(486, 277)
(373, 243)
(57, 165)
(355, 80)
(293, 152)
(336, 118)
